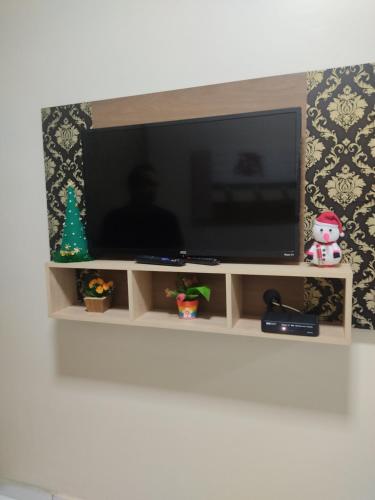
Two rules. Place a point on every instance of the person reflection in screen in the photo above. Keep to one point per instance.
(141, 224)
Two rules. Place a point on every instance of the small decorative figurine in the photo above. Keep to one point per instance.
(187, 295)
(73, 246)
(326, 231)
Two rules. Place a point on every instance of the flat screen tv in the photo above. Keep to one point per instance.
(222, 186)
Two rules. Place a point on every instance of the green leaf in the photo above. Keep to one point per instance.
(205, 291)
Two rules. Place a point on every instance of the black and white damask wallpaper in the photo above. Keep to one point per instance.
(340, 165)
(63, 161)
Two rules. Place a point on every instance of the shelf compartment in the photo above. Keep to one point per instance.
(247, 307)
(65, 301)
(247, 294)
(149, 305)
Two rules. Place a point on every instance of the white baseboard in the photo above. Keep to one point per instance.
(18, 491)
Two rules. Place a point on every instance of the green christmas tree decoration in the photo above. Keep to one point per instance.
(74, 243)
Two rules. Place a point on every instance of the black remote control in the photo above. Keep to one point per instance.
(162, 261)
(208, 261)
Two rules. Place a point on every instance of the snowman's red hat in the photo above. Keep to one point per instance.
(332, 219)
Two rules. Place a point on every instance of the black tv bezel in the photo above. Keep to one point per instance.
(129, 254)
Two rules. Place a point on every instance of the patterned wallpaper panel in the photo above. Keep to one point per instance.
(340, 161)
(63, 161)
(340, 167)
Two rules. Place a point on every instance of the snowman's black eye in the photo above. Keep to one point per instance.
(330, 230)
(321, 230)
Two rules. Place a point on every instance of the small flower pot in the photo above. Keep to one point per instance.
(97, 304)
(187, 309)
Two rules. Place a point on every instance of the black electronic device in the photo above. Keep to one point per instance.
(286, 319)
(223, 186)
(161, 261)
(290, 323)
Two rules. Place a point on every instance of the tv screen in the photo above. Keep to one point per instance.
(223, 186)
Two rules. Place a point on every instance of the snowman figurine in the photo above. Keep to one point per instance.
(326, 231)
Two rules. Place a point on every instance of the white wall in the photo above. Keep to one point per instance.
(108, 413)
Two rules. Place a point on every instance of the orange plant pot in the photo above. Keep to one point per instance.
(187, 309)
(97, 304)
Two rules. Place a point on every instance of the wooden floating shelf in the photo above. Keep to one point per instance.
(235, 308)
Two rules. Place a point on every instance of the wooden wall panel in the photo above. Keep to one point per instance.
(260, 94)
(340, 177)
(210, 100)
(304, 90)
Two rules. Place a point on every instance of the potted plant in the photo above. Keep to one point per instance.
(187, 293)
(97, 294)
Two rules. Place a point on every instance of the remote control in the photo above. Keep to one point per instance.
(162, 261)
(208, 261)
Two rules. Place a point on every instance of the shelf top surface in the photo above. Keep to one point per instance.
(301, 269)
